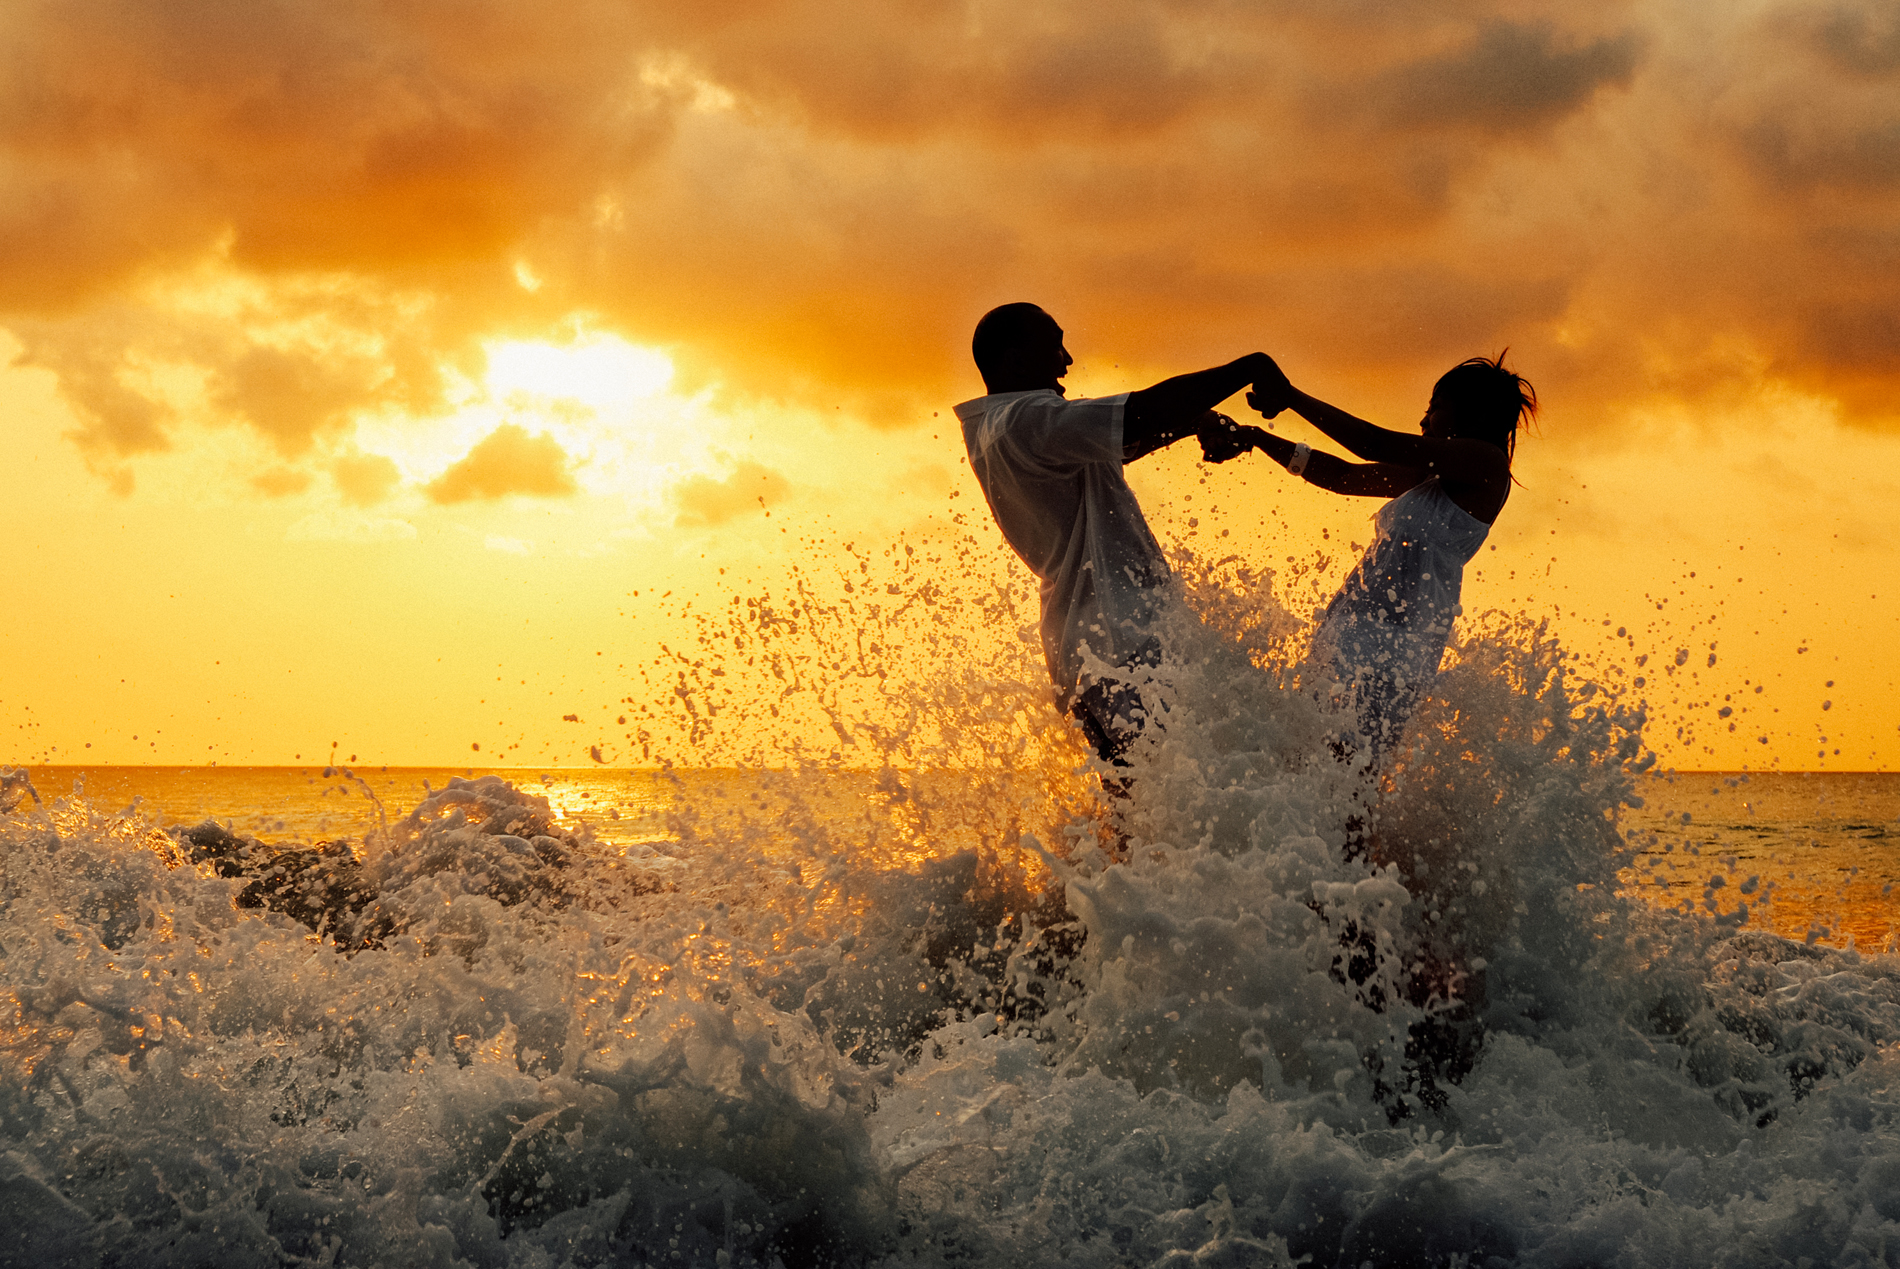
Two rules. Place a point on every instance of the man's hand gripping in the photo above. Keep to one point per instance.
(1223, 439)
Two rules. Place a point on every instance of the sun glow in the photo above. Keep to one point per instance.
(602, 373)
(594, 414)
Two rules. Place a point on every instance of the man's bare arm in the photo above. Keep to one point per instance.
(1183, 406)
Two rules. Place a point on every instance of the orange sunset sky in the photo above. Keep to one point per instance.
(371, 369)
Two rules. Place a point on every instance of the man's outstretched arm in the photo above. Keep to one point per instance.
(1182, 406)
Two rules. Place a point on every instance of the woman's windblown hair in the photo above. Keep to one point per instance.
(1486, 401)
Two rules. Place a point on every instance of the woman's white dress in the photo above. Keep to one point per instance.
(1384, 633)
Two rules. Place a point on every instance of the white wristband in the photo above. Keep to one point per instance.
(1296, 465)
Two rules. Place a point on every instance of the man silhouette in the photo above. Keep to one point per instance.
(1051, 470)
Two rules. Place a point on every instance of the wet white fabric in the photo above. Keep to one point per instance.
(1051, 470)
(1384, 633)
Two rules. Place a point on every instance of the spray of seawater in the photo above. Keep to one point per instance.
(928, 996)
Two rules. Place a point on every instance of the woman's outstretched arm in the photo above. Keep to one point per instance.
(1366, 480)
(1457, 458)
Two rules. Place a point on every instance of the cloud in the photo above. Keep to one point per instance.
(1864, 337)
(315, 136)
(291, 358)
(1505, 78)
(1077, 70)
(706, 503)
(1860, 37)
(118, 417)
(1794, 154)
(289, 397)
(288, 218)
(506, 461)
(1422, 313)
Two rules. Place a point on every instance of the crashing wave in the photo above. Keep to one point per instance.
(953, 1009)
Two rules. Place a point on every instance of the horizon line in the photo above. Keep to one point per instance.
(602, 767)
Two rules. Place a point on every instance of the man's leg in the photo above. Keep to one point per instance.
(1110, 707)
(1111, 715)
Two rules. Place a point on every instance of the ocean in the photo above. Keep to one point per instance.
(970, 1009)
(1825, 845)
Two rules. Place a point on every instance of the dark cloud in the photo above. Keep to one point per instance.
(1860, 37)
(1812, 99)
(705, 502)
(399, 136)
(1509, 77)
(1863, 337)
(507, 461)
(1054, 71)
(1795, 155)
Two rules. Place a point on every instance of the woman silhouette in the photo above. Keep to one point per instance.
(1384, 632)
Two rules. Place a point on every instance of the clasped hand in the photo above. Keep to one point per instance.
(1222, 438)
(1272, 391)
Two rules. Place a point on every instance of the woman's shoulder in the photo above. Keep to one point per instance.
(1430, 499)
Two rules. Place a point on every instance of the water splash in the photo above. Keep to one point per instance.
(949, 1005)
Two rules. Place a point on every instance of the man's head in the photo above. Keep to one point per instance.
(1018, 347)
(1482, 400)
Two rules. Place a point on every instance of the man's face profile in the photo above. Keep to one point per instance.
(1018, 348)
(1040, 358)
(1050, 354)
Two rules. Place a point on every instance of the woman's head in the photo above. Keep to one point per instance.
(1482, 400)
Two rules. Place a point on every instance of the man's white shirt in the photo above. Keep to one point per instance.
(1051, 470)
